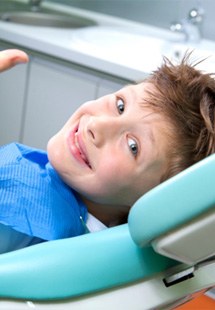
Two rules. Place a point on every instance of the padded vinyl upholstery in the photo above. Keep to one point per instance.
(174, 202)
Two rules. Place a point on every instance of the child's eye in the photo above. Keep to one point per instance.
(133, 146)
(120, 106)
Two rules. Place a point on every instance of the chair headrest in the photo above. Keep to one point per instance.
(173, 203)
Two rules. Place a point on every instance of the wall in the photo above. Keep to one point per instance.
(160, 13)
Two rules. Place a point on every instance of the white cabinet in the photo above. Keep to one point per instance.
(12, 94)
(54, 93)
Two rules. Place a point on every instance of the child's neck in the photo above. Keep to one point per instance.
(109, 215)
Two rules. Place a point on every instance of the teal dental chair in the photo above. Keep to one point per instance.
(162, 258)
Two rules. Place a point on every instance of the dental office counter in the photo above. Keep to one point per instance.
(70, 66)
(102, 47)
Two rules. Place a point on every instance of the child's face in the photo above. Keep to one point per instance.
(112, 150)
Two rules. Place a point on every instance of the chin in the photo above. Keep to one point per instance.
(53, 151)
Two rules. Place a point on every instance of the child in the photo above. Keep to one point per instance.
(110, 152)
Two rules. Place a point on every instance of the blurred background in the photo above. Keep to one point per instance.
(160, 13)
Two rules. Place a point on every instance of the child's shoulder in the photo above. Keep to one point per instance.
(15, 152)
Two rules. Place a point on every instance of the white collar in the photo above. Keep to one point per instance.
(93, 224)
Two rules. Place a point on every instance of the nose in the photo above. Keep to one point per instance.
(103, 128)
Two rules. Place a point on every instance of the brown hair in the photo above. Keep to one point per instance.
(186, 96)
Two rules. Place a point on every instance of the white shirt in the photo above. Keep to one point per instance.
(93, 224)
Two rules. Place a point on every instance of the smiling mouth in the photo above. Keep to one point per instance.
(83, 156)
(77, 148)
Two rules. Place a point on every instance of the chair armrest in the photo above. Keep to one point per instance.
(77, 266)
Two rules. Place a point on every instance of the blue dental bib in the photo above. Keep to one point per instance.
(33, 199)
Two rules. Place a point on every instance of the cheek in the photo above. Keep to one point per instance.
(117, 186)
(56, 152)
(114, 174)
(53, 144)
(52, 150)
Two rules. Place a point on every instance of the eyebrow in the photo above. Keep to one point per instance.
(128, 88)
(149, 132)
(152, 136)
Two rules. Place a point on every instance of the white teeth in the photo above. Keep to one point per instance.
(76, 141)
(78, 147)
